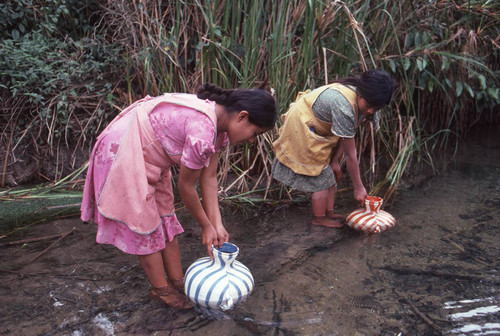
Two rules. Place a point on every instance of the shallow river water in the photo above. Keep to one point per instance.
(435, 273)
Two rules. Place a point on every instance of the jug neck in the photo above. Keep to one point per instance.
(373, 203)
(225, 255)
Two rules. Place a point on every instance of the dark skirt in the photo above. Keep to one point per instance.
(285, 175)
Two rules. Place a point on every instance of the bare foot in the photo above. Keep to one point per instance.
(330, 214)
(325, 221)
(178, 285)
(170, 297)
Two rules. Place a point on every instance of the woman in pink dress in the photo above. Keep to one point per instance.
(128, 189)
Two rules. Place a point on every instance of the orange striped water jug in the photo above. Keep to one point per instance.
(371, 219)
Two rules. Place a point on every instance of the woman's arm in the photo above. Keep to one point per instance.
(209, 193)
(187, 189)
(349, 148)
(335, 161)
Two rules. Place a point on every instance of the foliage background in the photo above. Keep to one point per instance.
(68, 66)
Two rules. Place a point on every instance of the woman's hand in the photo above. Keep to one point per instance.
(222, 235)
(360, 194)
(337, 171)
(214, 235)
(209, 238)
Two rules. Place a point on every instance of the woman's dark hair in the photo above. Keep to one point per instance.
(259, 103)
(374, 86)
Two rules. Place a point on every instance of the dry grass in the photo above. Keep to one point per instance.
(444, 55)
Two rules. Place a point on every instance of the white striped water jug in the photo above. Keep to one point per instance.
(221, 282)
(371, 219)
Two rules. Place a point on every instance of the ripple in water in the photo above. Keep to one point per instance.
(474, 317)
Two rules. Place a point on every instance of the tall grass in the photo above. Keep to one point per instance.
(444, 55)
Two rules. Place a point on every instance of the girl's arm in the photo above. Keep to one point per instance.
(187, 189)
(335, 161)
(349, 148)
(209, 188)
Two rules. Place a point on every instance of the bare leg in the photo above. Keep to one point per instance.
(330, 204)
(319, 203)
(172, 263)
(153, 266)
(172, 259)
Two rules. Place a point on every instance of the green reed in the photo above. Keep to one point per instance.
(443, 54)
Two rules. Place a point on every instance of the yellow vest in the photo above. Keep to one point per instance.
(305, 143)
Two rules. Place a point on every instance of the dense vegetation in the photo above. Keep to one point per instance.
(68, 66)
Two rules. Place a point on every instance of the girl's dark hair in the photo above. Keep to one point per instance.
(375, 86)
(259, 103)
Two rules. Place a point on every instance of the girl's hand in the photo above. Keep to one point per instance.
(209, 238)
(360, 194)
(222, 235)
(337, 171)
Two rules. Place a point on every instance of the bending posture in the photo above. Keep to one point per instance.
(128, 189)
(318, 128)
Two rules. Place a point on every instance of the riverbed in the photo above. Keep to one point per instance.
(435, 273)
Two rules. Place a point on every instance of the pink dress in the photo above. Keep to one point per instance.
(131, 160)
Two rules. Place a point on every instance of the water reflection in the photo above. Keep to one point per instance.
(474, 316)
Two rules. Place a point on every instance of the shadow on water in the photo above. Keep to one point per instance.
(435, 273)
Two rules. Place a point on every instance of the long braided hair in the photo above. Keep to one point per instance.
(259, 103)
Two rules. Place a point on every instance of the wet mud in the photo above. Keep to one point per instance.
(435, 273)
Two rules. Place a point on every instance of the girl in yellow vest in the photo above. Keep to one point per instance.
(318, 128)
(128, 189)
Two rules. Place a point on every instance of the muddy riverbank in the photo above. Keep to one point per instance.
(435, 273)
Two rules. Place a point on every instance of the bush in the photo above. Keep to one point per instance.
(57, 77)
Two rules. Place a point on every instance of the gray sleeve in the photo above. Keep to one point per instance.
(331, 106)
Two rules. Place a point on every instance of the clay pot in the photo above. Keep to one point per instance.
(371, 219)
(220, 283)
